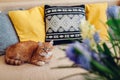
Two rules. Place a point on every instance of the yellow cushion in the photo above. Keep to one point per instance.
(96, 15)
(29, 24)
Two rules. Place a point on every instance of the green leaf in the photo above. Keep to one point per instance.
(108, 60)
(99, 48)
(108, 54)
(114, 24)
(102, 70)
(77, 51)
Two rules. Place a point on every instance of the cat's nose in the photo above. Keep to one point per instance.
(46, 51)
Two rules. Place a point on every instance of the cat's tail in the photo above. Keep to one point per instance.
(13, 61)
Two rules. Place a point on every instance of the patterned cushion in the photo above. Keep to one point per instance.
(63, 23)
(7, 33)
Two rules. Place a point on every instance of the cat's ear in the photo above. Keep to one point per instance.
(39, 43)
(51, 42)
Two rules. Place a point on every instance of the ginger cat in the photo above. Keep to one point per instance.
(37, 53)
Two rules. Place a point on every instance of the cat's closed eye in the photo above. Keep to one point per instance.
(43, 48)
(46, 49)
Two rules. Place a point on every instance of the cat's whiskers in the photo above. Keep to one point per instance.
(47, 55)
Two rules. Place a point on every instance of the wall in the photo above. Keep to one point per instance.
(57, 0)
(15, 0)
(11, 4)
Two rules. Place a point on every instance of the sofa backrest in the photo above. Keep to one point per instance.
(5, 6)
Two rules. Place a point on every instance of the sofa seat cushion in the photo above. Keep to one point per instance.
(47, 72)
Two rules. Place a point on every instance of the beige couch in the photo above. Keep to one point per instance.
(47, 72)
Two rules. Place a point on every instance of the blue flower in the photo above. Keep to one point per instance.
(113, 12)
(70, 52)
(83, 57)
(87, 42)
(96, 37)
(79, 59)
(83, 62)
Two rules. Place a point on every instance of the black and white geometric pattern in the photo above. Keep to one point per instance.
(63, 22)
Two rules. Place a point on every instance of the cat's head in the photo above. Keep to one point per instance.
(45, 49)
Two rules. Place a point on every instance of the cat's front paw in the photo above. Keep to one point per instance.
(40, 63)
